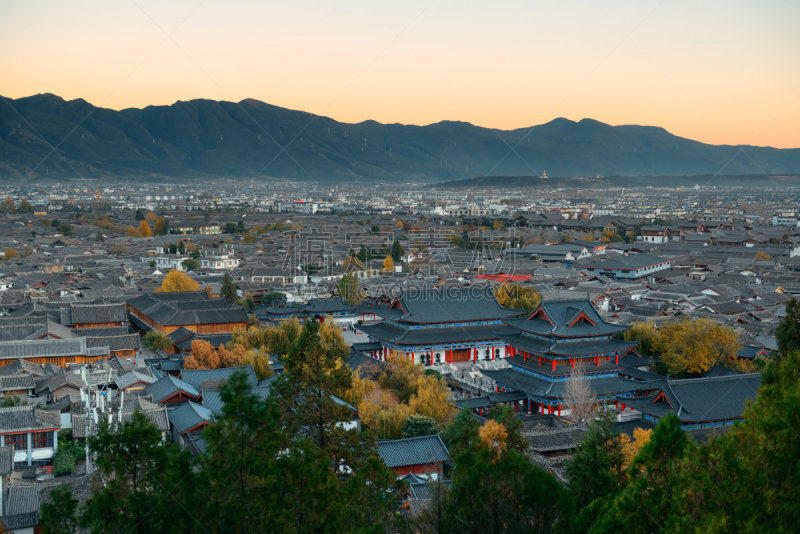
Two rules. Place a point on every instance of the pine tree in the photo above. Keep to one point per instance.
(649, 503)
(397, 251)
(60, 516)
(593, 482)
(497, 490)
(239, 469)
(228, 291)
(312, 375)
(787, 334)
(138, 478)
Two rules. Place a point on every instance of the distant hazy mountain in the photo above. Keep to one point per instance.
(205, 137)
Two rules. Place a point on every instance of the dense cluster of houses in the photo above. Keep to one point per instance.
(75, 305)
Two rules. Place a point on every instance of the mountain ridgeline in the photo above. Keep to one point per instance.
(206, 138)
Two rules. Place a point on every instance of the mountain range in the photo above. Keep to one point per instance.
(46, 136)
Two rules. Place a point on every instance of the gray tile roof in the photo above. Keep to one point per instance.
(631, 262)
(413, 451)
(196, 377)
(188, 415)
(16, 382)
(170, 309)
(129, 379)
(114, 343)
(21, 508)
(6, 460)
(158, 417)
(43, 348)
(168, 386)
(562, 312)
(447, 305)
(98, 313)
(435, 336)
(544, 439)
(21, 366)
(27, 418)
(701, 399)
(535, 386)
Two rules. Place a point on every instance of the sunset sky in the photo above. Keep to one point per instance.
(721, 72)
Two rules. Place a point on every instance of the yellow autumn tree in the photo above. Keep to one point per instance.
(331, 338)
(230, 358)
(150, 216)
(384, 413)
(259, 359)
(498, 224)
(763, 256)
(646, 334)
(10, 253)
(693, 347)
(517, 297)
(493, 436)
(203, 356)
(401, 391)
(360, 388)
(144, 229)
(132, 232)
(271, 338)
(388, 264)
(432, 399)
(630, 448)
(176, 282)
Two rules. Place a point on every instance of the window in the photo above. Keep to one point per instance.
(41, 440)
(18, 441)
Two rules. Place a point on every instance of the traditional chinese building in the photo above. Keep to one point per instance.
(60, 352)
(558, 337)
(438, 325)
(192, 310)
(701, 403)
(333, 308)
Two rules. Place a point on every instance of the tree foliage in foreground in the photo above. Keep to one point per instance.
(254, 477)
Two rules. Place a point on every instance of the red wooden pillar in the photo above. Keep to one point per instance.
(540, 360)
(616, 361)
(559, 410)
(572, 362)
(480, 412)
(497, 388)
(515, 406)
(492, 353)
(554, 364)
(524, 356)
